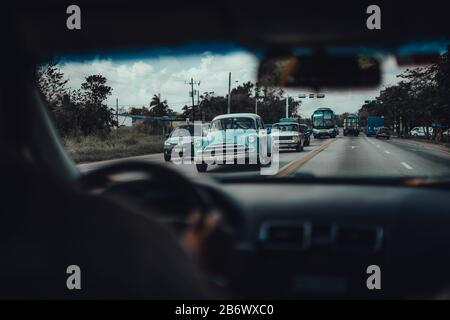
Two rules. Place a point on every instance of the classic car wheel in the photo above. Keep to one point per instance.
(201, 167)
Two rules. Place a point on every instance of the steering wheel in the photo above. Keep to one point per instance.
(161, 176)
(219, 247)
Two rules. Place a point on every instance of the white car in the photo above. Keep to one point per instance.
(420, 131)
(287, 135)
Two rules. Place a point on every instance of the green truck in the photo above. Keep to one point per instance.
(351, 125)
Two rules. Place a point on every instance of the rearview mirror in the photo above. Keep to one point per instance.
(320, 71)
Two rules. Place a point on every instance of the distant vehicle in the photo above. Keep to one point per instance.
(446, 133)
(268, 128)
(337, 130)
(351, 125)
(303, 129)
(289, 135)
(235, 132)
(182, 138)
(421, 132)
(288, 120)
(205, 127)
(383, 132)
(306, 134)
(324, 123)
(373, 123)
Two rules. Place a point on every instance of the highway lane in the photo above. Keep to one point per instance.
(369, 157)
(342, 157)
(286, 157)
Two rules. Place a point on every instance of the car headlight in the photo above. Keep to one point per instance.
(167, 143)
(295, 138)
(198, 143)
(251, 139)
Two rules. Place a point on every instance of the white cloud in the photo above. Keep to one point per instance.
(134, 82)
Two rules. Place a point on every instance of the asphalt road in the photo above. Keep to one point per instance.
(371, 157)
(343, 156)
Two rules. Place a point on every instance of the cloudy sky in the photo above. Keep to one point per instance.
(135, 80)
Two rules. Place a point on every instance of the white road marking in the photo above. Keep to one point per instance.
(378, 145)
(387, 152)
(407, 166)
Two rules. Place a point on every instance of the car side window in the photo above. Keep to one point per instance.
(259, 124)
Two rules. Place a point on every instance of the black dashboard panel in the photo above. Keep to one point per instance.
(317, 241)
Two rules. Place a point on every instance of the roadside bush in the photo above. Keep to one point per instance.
(124, 142)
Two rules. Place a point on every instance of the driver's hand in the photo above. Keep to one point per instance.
(200, 229)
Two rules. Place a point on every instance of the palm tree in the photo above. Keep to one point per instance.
(158, 107)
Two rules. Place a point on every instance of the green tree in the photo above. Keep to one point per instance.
(271, 103)
(51, 82)
(159, 107)
(143, 111)
(94, 89)
(92, 115)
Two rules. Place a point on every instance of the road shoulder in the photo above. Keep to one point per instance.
(421, 144)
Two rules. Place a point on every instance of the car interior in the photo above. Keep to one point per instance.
(297, 237)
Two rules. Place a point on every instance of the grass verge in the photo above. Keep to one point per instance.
(126, 142)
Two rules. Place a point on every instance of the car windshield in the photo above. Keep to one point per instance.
(183, 131)
(285, 127)
(323, 119)
(233, 123)
(122, 104)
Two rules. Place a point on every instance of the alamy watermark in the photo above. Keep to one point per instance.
(228, 146)
(373, 22)
(373, 282)
(73, 281)
(73, 21)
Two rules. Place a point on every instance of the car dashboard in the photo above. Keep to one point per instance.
(319, 240)
(311, 238)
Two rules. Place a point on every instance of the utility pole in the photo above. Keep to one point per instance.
(287, 106)
(229, 92)
(198, 103)
(117, 117)
(256, 105)
(192, 94)
(117, 112)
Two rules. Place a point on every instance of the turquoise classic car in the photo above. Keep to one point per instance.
(237, 138)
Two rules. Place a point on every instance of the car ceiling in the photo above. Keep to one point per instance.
(40, 26)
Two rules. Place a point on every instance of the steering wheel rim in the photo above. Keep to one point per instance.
(166, 176)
